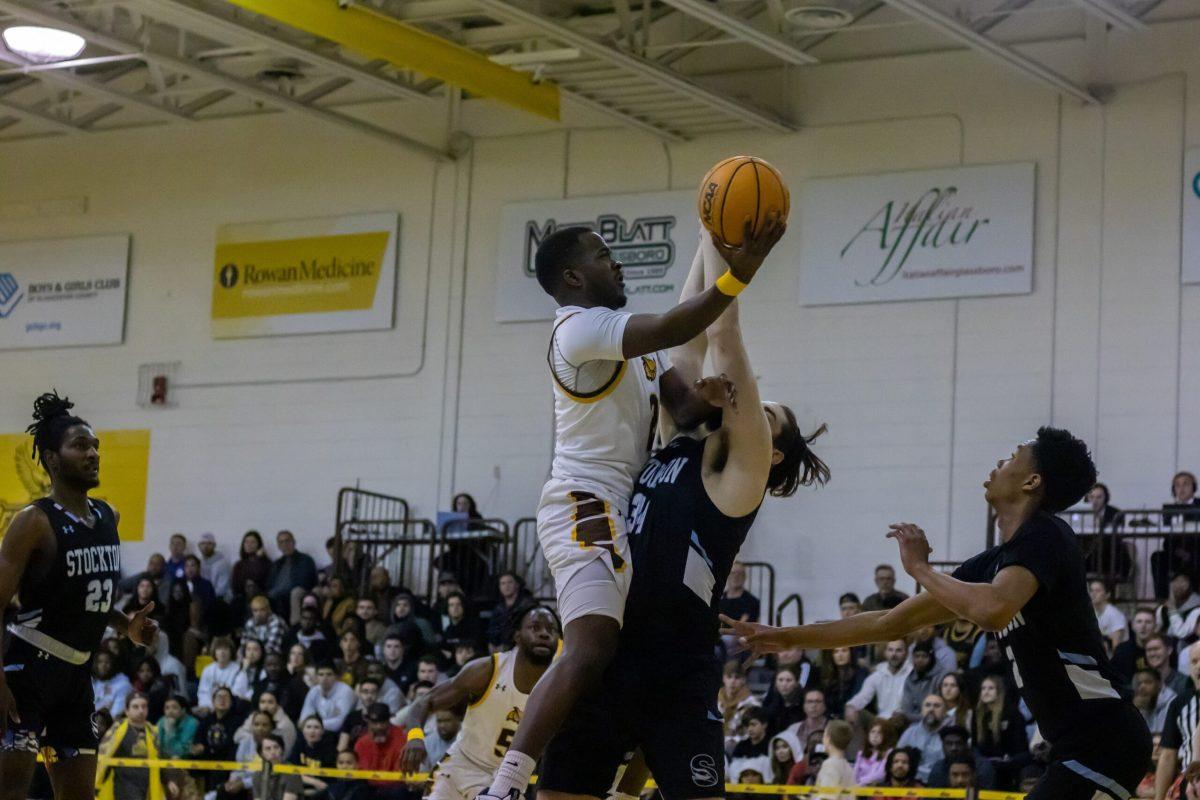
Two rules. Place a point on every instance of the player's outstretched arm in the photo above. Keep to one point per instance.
(866, 628)
(467, 686)
(647, 333)
(25, 535)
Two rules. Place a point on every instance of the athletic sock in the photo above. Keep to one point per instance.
(514, 772)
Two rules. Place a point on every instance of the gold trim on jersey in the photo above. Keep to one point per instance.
(491, 680)
(650, 367)
(601, 393)
(593, 518)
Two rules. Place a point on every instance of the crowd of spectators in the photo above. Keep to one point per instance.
(269, 658)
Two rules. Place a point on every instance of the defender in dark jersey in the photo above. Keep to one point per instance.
(62, 556)
(691, 509)
(1030, 589)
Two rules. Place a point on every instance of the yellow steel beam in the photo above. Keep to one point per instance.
(379, 36)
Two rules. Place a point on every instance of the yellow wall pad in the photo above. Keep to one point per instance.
(378, 36)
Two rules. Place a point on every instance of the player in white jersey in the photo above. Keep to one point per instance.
(495, 690)
(611, 378)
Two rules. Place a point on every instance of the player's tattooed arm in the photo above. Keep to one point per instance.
(28, 533)
(470, 684)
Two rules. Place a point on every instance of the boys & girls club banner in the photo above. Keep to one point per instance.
(655, 235)
(305, 276)
(124, 465)
(1191, 216)
(961, 232)
(63, 292)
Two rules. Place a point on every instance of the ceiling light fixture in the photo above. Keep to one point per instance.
(42, 45)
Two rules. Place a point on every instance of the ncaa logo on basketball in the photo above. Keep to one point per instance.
(706, 204)
(704, 770)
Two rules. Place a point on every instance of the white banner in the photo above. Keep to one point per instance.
(305, 276)
(1191, 216)
(655, 235)
(63, 292)
(959, 232)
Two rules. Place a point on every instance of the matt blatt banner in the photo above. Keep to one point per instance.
(655, 235)
(63, 292)
(305, 276)
(1191, 216)
(960, 232)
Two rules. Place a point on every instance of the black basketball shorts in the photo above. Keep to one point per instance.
(54, 701)
(1109, 755)
(667, 707)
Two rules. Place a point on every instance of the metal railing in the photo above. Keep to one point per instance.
(760, 582)
(789, 601)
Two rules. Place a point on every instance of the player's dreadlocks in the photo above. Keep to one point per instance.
(52, 417)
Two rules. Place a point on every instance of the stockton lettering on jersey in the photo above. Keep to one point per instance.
(98, 558)
(657, 472)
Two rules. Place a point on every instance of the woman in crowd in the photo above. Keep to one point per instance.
(183, 614)
(460, 627)
(352, 665)
(177, 729)
(214, 735)
(871, 765)
(786, 705)
(252, 565)
(222, 672)
(143, 595)
(297, 680)
(250, 668)
(958, 705)
(841, 678)
(999, 732)
(148, 679)
(734, 699)
(511, 588)
(338, 605)
(785, 751)
(316, 747)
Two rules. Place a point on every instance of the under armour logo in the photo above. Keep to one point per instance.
(68, 529)
(500, 687)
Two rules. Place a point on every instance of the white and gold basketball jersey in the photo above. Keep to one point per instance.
(605, 407)
(491, 721)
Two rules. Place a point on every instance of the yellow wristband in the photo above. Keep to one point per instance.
(415, 733)
(730, 286)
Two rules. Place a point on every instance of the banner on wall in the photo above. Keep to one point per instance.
(1191, 216)
(962, 232)
(63, 292)
(124, 465)
(305, 276)
(654, 234)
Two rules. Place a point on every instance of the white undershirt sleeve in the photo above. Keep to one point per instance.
(594, 334)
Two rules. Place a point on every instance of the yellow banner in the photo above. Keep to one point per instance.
(298, 276)
(124, 465)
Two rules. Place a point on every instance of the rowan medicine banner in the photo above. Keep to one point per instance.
(124, 465)
(63, 292)
(655, 235)
(1191, 216)
(962, 232)
(305, 276)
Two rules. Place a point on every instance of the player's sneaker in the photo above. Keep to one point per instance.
(487, 794)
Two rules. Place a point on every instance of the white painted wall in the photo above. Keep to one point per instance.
(921, 397)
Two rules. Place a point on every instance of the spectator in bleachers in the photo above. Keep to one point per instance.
(886, 594)
(352, 661)
(464, 653)
(248, 748)
(993, 663)
(1177, 615)
(751, 771)
(815, 716)
(339, 788)
(841, 678)
(265, 625)
(734, 699)
(156, 571)
(250, 666)
(944, 657)
(737, 602)
(901, 769)
(181, 618)
(1103, 555)
(204, 596)
(380, 589)
(355, 724)
(405, 617)
(1152, 698)
(309, 634)
(252, 565)
(268, 704)
(292, 576)
(836, 770)
(999, 731)
(1158, 658)
(458, 626)
(924, 734)
(316, 747)
(956, 743)
(110, 687)
(300, 677)
(1130, 655)
(785, 704)
(380, 748)
(885, 686)
(215, 567)
(177, 548)
(133, 737)
(870, 766)
(330, 699)
(1180, 549)
(372, 628)
(148, 680)
(143, 594)
(214, 735)
(446, 726)
(400, 660)
(849, 605)
(1114, 626)
(511, 588)
(962, 637)
(389, 691)
(786, 750)
(1100, 499)
(923, 680)
(170, 667)
(176, 729)
(961, 772)
(1183, 493)
(222, 672)
(275, 785)
(958, 705)
(756, 742)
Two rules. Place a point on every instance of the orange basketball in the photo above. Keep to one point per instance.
(737, 188)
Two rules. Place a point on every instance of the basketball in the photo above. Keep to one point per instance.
(737, 188)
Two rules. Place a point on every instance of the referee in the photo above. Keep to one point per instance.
(1179, 734)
